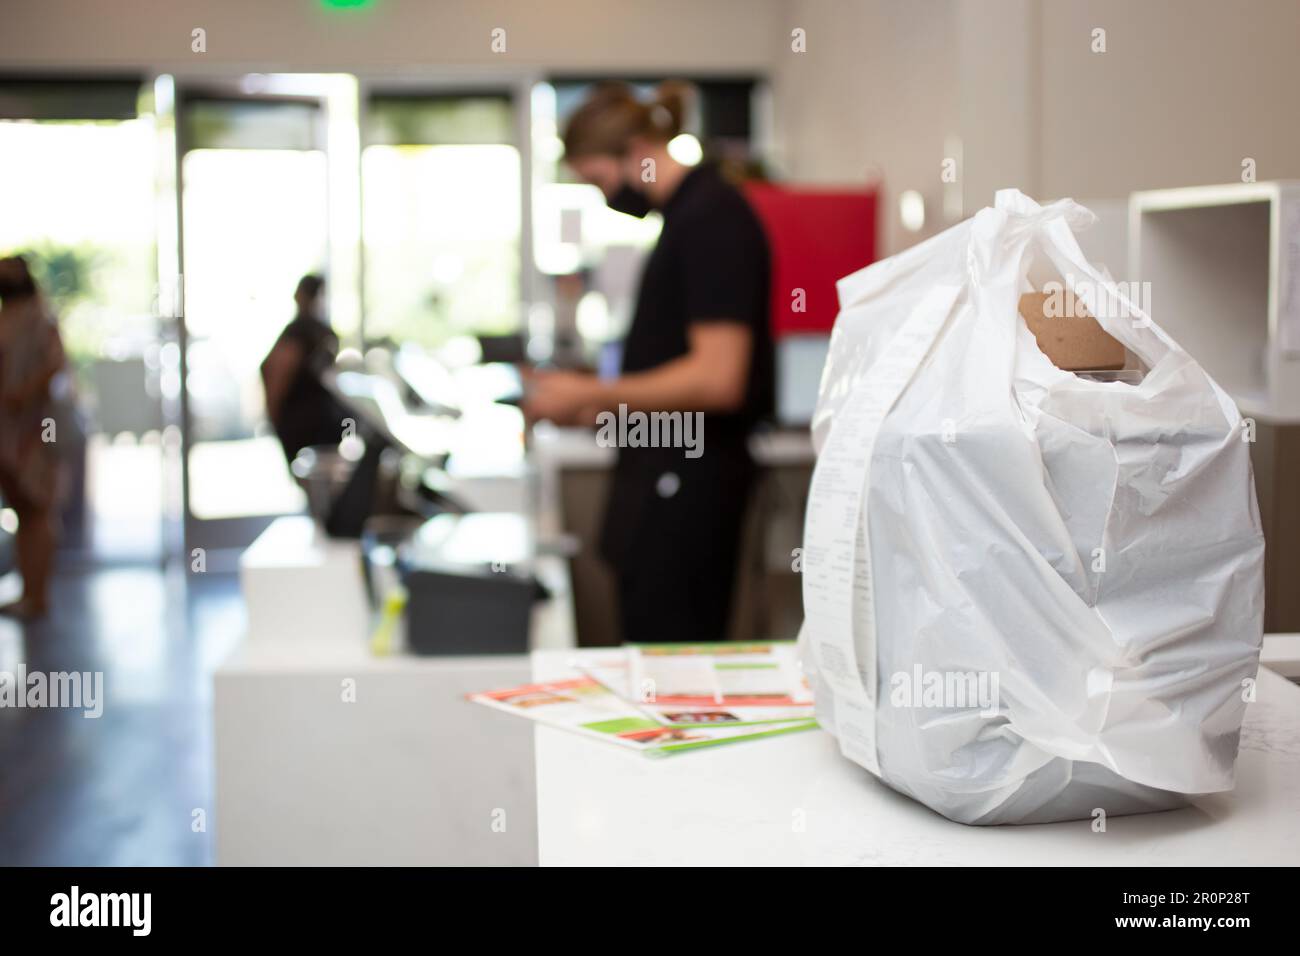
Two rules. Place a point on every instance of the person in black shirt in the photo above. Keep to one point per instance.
(699, 342)
(302, 412)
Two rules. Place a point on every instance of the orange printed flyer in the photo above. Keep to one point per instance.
(585, 706)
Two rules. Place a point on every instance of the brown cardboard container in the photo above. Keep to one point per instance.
(1073, 341)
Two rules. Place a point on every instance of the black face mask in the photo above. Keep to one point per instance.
(630, 201)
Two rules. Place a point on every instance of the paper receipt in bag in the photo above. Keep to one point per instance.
(839, 615)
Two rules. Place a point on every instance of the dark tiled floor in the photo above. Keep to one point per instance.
(121, 789)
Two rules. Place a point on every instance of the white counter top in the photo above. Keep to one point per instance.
(794, 801)
(1281, 653)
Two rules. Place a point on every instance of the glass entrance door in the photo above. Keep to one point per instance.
(255, 218)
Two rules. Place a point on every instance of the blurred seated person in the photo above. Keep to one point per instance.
(31, 354)
(302, 411)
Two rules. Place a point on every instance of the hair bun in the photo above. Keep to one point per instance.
(609, 93)
(613, 115)
(671, 101)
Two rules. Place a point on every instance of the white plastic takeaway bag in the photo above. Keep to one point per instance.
(1029, 596)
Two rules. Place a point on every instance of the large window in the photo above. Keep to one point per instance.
(77, 163)
(441, 187)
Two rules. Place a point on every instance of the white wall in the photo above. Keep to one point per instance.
(1185, 91)
(874, 96)
(997, 73)
(622, 35)
(892, 88)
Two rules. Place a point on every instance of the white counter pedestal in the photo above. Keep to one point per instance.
(300, 585)
(794, 800)
(407, 773)
(328, 755)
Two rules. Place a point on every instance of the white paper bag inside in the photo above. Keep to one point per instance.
(1029, 596)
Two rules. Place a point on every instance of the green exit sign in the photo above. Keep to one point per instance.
(346, 4)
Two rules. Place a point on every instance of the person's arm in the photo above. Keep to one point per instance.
(711, 377)
(719, 261)
(278, 371)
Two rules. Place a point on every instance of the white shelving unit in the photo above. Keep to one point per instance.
(1223, 263)
(1224, 268)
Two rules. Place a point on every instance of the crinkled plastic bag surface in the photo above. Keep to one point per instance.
(1084, 558)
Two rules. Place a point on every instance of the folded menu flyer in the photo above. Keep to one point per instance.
(666, 698)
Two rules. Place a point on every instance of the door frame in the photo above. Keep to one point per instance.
(211, 534)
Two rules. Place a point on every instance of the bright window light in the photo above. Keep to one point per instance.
(551, 149)
(255, 221)
(686, 149)
(911, 210)
(593, 318)
(441, 226)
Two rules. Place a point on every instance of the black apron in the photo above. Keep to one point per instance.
(673, 522)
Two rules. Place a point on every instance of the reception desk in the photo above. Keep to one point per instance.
(329, 755)
(793, 801)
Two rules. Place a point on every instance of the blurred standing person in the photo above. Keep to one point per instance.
(302, 411)
(699, 345)
(31, 354)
